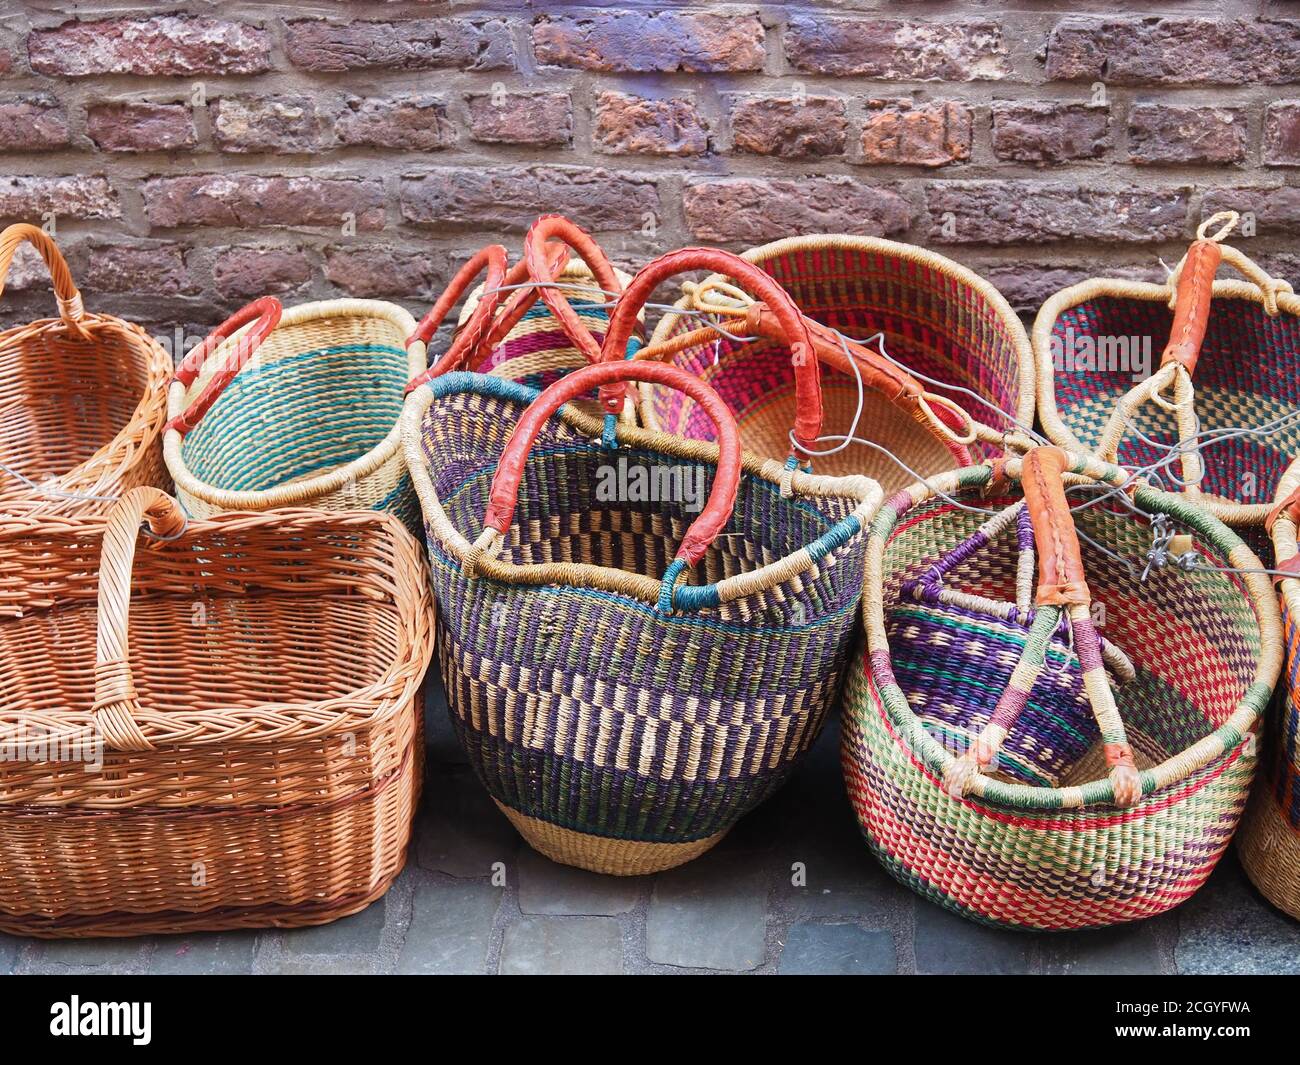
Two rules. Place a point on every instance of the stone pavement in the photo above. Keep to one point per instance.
(734, 910)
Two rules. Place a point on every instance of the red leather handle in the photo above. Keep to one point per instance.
(760, 285)
(557, 227)
(264, 313)
(493, 260)
(1192, 305)
(1060, 562)
(517, 304)
(722, 498)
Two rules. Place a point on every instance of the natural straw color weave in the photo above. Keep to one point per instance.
(994, 846)
(310, 419)
(1269, 843)
(260, 727)
(1247, 374)
(937, 317)
(83, 398)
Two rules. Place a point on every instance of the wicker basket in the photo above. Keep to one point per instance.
(622, 720)
(295, 409)
(936, 318)
(1007, 762)
(1240, 338)
(250, 758)
(83, 399)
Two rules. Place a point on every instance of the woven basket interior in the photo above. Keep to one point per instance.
(1192, 637)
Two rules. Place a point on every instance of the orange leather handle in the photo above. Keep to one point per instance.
(517, 303)
(722, 497)
(1192, 304)
(264, 313)
(760, 285)
(557, 227)
(491, 259)
(1060, 562)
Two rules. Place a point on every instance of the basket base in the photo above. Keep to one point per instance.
(1269, 848)
(601, 854)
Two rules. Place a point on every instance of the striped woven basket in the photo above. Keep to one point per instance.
(1099, 388)
(622, 717)
(1269, 843)
(250, 757)
(937, 318)
(1004, 759)
(299, 408)
(83, 398)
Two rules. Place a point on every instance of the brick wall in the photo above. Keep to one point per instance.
(196, 155)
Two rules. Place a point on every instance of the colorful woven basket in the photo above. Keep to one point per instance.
(1100, 390)
(1007, 762)
(83, 398)
(622, 719)
(1269, 843)
(250, 758)
(936, 318)
(298, 408)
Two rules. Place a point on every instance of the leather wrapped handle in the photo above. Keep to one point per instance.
(264, 314)
(518, 303)
(66, 295)
(722, 497)
(557, 227)
(763, 287)
(1192, 305)
(492, 260)
(116, 702)
(1060, 561)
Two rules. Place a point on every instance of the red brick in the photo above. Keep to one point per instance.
(248, 200)
(903, 133)
(511, 197)
(808, 127)
(176, 45)
(1026, 285)
(32, 123)
(1175, 51)
(660, 42)
(1033, 132)
(897, 49)
(758, 209)
(246, 273)
(1163, 133)
(1276, 210)
(538, 118)
(414, 44)
(410, 123)
(1282, 133)
(280, 124)
(381, 272)
(153, 269)
(79, 196)
(140, 127)
(624, 124)
(1009, 212)
(28, 271)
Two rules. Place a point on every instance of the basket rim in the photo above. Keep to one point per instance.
(361, 707)
(865, 491)
(1011, 322)
(134, 438)
(307, 490)
(1230, 513)
(933, 756)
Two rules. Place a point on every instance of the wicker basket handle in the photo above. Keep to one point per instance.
(66, 296)
(116, 703)
(557, 227)
(794, 328)
(722, 497)
(491, 259)
(264, 316)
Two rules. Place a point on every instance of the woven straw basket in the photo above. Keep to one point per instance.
(83, 398)
(1270, 834)
(295, 409)
(1006, 758)
(1232, 360)
(250, 757)
(936, 317)
(621, 719)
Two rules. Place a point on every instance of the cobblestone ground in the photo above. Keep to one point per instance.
(733, 910)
